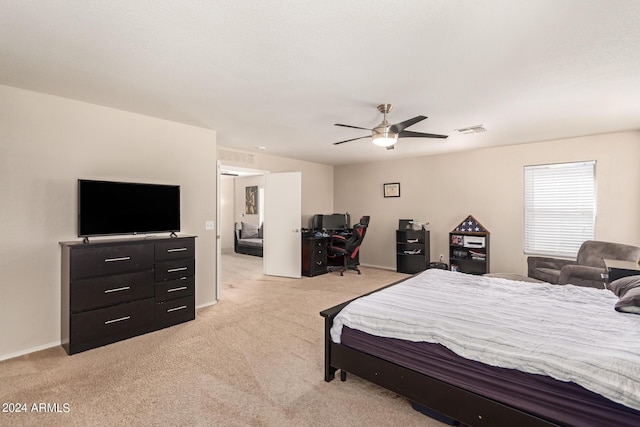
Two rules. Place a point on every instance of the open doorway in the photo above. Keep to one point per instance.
(240, 200)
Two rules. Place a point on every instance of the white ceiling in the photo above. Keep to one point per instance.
(280, 73)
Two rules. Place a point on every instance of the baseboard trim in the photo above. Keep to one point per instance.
(381, 267)
(54, 344)
(29, 350)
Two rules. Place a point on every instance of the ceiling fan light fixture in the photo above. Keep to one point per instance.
(384, 142)
(383, 136)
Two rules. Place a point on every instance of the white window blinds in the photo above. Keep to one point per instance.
(559, 208)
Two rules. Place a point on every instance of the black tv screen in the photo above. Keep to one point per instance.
(107, 207)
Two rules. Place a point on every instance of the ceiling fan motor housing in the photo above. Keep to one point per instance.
(383, 134)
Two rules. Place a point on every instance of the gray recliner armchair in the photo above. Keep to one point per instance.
(587, 269)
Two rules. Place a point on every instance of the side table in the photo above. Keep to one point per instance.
(617, 269)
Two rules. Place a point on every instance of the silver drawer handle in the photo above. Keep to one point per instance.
(173, 270)
(176, 250)
(182, 307)
(124, 288)
(181, 288)
(124, 258)
(120, 319)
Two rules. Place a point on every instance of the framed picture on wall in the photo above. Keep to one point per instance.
(391, 189)
(251, 200)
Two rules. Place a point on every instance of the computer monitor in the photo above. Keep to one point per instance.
(335, 222)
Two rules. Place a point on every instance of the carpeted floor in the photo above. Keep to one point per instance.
(253, 359)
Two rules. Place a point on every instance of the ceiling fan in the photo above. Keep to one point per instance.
(386, 135)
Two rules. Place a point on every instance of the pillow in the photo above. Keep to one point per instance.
(261, 231)
(248, 231)
(628, 290)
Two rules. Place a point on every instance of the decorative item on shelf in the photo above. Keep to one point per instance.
(417, 225)
(413, 251)
(471, 225)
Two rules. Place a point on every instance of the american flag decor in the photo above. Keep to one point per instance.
(471, 225)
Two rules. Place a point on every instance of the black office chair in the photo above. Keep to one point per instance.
(347, 247)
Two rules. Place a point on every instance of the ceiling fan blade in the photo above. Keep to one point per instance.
(349, 126)
(409, 134)
(354, 139)
(399, 127)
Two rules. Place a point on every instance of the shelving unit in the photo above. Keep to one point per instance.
(469, 247)
(412, 251)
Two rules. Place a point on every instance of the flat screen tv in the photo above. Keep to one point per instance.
(108, 208)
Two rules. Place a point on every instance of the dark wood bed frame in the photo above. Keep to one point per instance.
(457, 403)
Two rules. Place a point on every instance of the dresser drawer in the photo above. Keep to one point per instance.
(96, 261)
(318, 254)
(319, 265)
(114, 321)
(174, 270)
(104, 291)
(175, 249)
(175, 288)
(175, 311)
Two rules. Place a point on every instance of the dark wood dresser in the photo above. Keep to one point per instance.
(116, 289)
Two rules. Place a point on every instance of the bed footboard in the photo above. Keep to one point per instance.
(452, 401)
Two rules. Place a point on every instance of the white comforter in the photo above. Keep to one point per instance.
(566, 332)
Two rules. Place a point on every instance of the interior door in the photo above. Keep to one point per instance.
(282, 220)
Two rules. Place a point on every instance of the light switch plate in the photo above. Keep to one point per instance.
(209, 225)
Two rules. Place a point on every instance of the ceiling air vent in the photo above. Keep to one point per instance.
(472, 129)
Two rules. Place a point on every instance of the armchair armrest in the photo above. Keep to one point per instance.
(535, 262)
(582, 275)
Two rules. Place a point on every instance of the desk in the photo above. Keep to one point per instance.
(617, 269)
(314, 255)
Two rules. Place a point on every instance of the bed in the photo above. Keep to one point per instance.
(436, 353)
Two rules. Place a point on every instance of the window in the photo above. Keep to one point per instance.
(559, 208)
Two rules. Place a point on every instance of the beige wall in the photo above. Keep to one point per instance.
(488, 184)
(317, 179)
(240, 184)
(46, 144)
